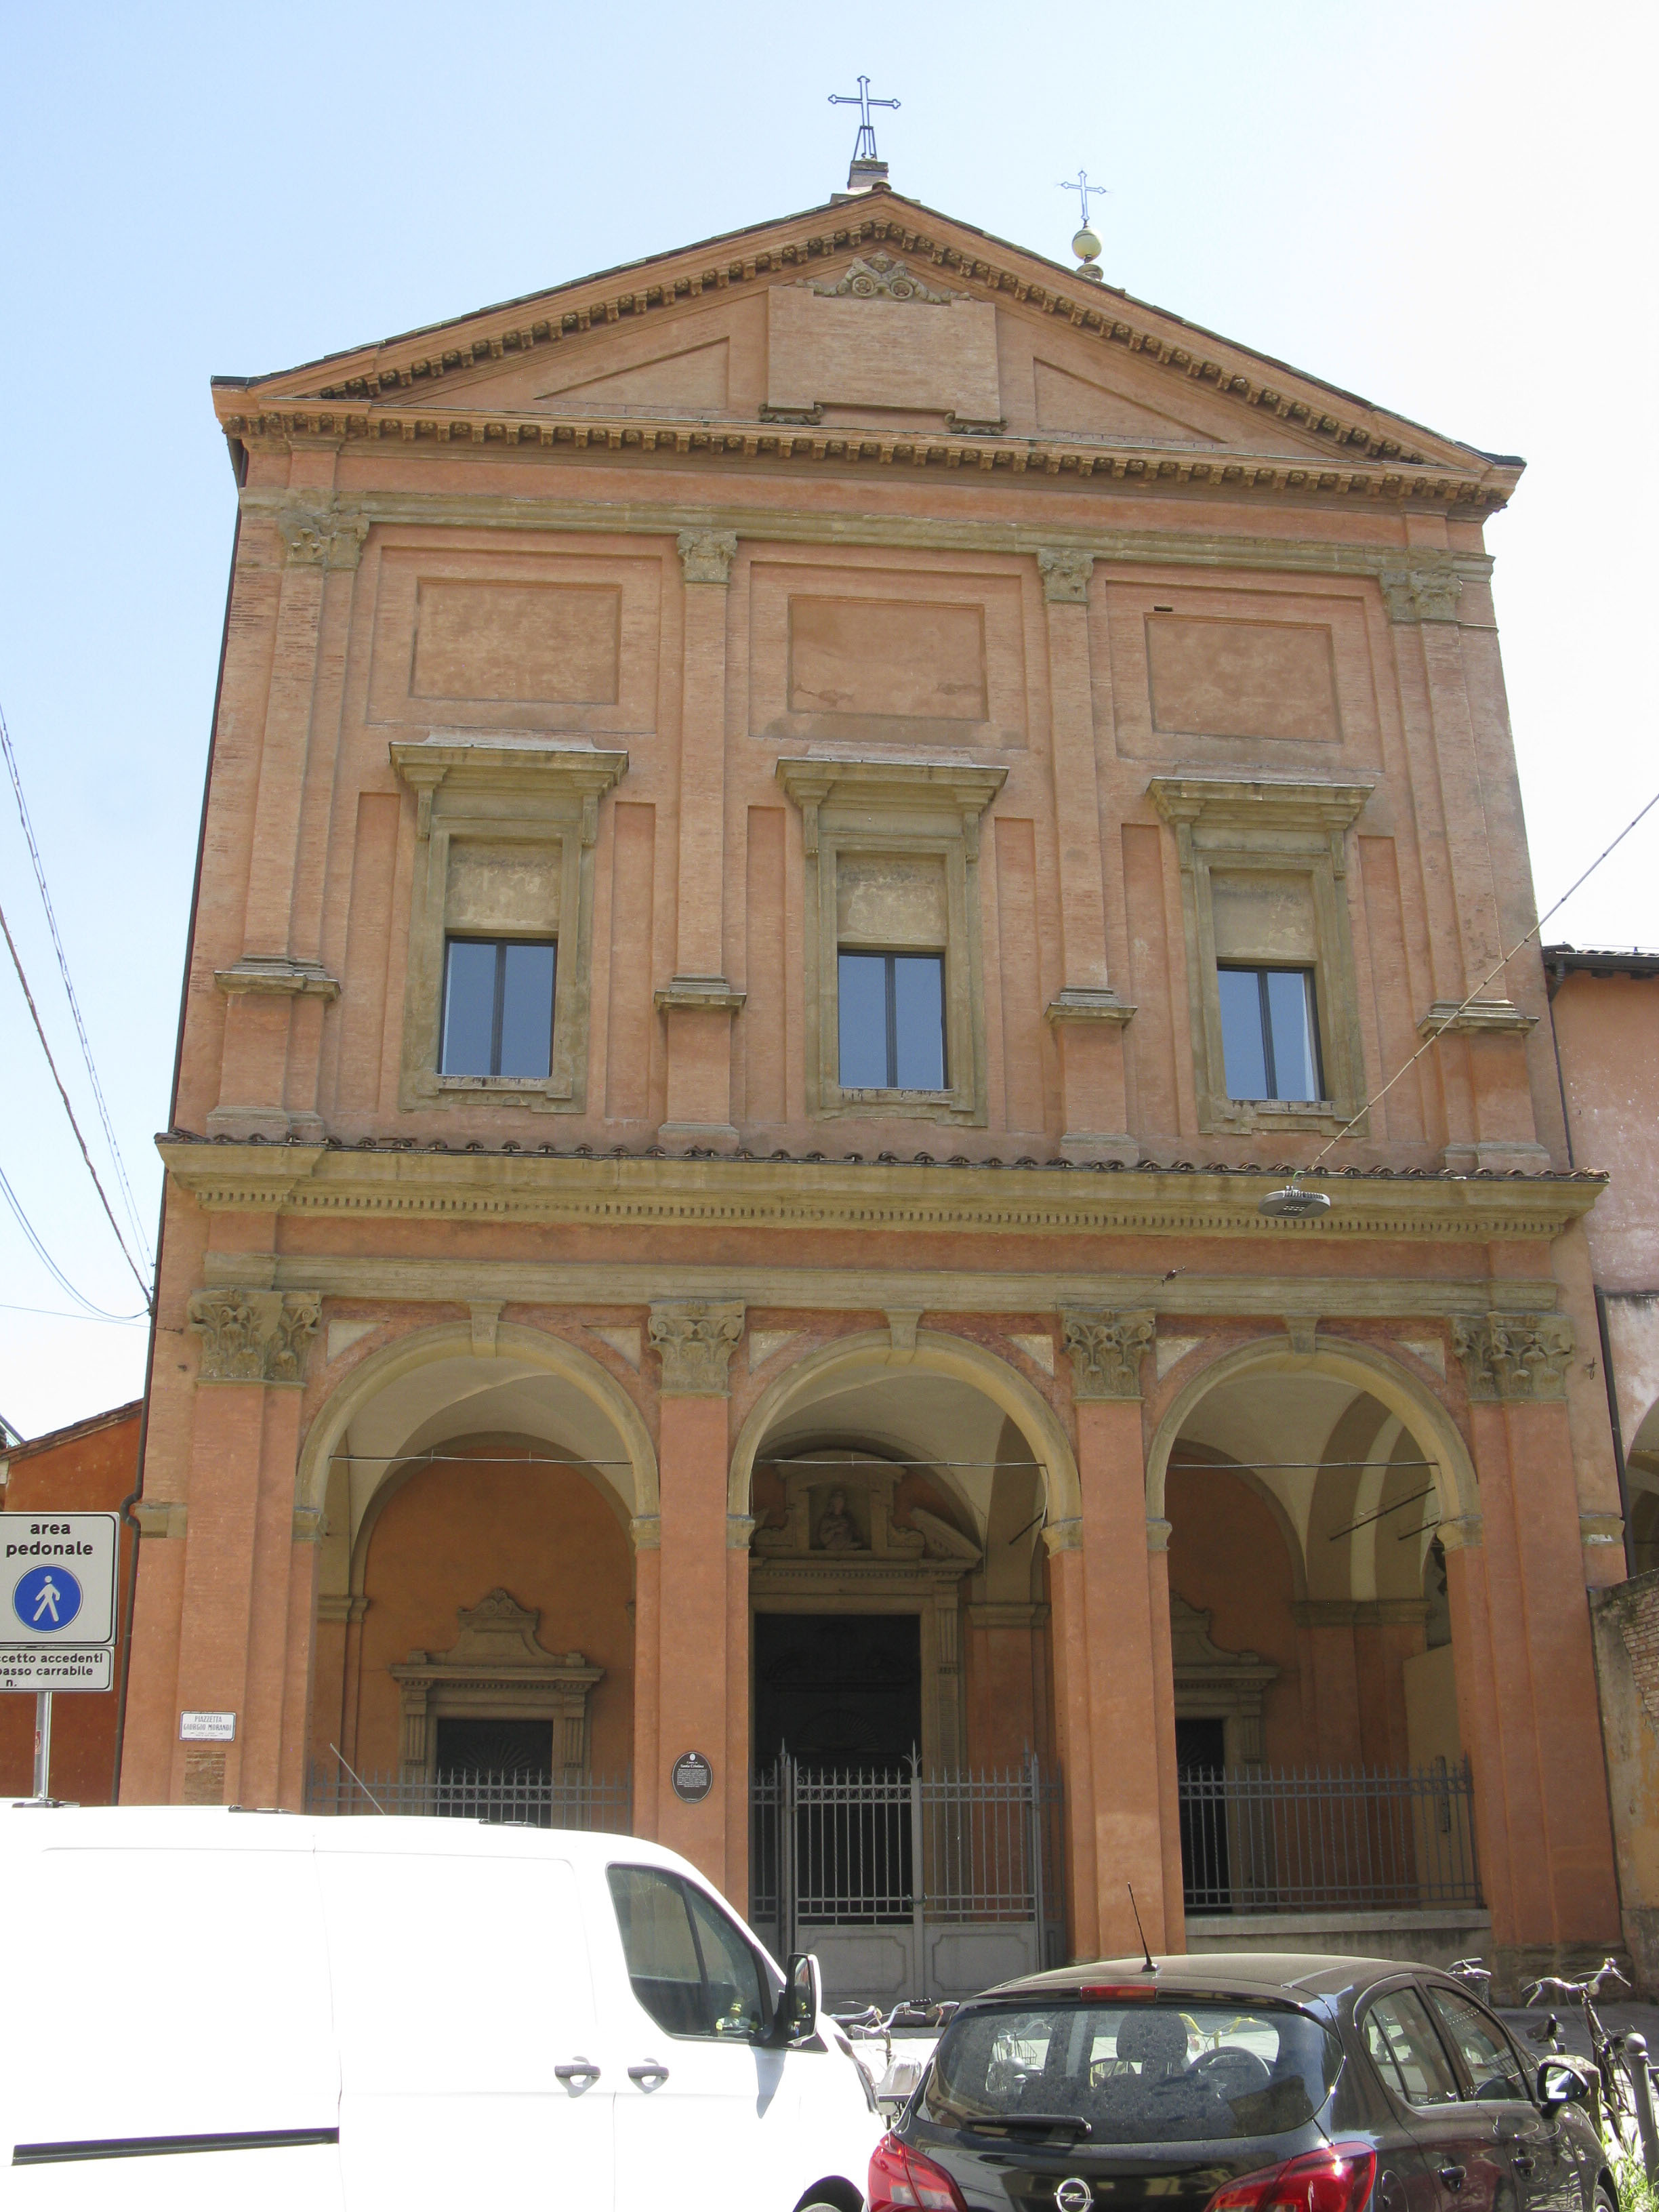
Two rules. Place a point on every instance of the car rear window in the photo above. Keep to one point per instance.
(1201, 2072)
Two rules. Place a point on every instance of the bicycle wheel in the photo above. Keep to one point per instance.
(1620, 2125)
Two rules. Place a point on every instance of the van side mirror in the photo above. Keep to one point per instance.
(803, 1999)
(1561, 2085)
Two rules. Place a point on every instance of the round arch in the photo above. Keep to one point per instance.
(1457, 1492)
(936, 1353)
(551, 1355)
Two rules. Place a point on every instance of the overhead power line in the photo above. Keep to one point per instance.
(131, 1203)
(34, 1016)
(94, 1312)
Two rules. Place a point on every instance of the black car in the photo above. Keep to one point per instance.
(1267, 2082)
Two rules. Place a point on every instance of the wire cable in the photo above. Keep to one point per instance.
(34, 1014)
(1436, 1034)
(94, 1312)
(132, 1203)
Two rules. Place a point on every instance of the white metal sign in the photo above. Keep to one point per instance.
(207, 1728)
(58, 1600)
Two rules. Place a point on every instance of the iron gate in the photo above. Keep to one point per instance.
(907, 1883)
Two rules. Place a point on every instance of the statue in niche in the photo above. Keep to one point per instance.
(837, 1530)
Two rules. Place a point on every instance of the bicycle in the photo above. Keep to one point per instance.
(1615, 2117)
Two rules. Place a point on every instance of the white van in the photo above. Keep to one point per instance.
(210, 2007)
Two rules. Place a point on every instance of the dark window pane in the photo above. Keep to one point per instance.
(527, 1012)
(1290, 1011)
(469, 1008)
(864, 1022)
(659, 1948)
(736, 2004)
(1241, 1041)
(919, 1019)
(1397, 2030)
(1494, 2070)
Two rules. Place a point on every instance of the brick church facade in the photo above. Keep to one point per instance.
(796, 834)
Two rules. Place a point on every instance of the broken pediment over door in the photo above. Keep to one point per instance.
(496, 1669)
(1214, 1684)
(879, 339)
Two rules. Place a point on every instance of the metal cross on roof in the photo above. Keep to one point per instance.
(1084, 190)
(864, 146)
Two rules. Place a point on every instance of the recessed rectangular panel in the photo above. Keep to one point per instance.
(1241, 679)
(551, 644)
(874, 656)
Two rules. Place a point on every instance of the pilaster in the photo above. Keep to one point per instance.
(698, 1003)
(1087, 1015)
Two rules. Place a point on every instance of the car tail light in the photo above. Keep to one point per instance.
(1336, 2180)
(903, 2180)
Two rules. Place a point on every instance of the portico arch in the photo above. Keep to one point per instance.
(935, 1352)
(1457, 1493)
(630, 1462)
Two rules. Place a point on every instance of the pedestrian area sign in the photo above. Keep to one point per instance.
(58, 1601)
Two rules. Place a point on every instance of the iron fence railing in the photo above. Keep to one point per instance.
(1328, 1839)
(531, 1800)
(885, 1845)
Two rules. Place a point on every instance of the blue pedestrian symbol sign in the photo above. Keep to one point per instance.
(46, 1598)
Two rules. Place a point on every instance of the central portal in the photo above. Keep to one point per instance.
(836, 1689)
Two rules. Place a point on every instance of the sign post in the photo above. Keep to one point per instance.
(57, 1612)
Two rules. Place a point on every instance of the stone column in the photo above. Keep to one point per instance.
(240, 1612)
(1112, 1659)
(695, 1341)
(1529, 1712)
(1169, 1786)
(699, 1003)
(1087, 1014)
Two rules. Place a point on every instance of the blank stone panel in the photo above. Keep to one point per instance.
(861, 656)
(556, 644)
(1235, 679)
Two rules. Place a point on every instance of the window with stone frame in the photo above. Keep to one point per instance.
(503, 882)
(892, 900)
(1272, 994)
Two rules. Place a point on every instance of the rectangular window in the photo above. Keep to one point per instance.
(498, 1007)
(1270, 1033)
(892, 1021)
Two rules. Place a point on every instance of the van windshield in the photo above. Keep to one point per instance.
(1202, 2072)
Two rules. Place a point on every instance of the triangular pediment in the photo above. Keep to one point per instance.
(875, 314)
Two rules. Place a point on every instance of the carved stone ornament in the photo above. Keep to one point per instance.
(322, 537)
(835, 1519)
(1514, 1356)
(1106, 1350)
(1066, 574)
(706, 556)
(496, 1669)
(696, 1341)
(255, 1336)
(882, 277)
(1421, 595)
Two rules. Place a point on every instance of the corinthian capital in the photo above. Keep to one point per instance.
(322, 537)
(1066, 574)
(255, 1336)
(1421, 594)
(1106, 1349)
(695, 1340)
(707, 556)
(1515, 1356)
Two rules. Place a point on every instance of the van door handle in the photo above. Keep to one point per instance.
(1453, 2176)
(577, 2069)
(652, 2070)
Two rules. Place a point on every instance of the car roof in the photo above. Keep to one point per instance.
(232, 1827)
(1293, 1976)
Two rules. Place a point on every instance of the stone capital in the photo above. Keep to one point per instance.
(1065, 573)
(695, 1340)
(255, 1336)
(322, 537)
(1516, 1358)
(1106, 1350)
(1421, 594)
(1063, 1536)
(706, 556)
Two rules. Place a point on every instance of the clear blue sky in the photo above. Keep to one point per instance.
(1449, 209)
